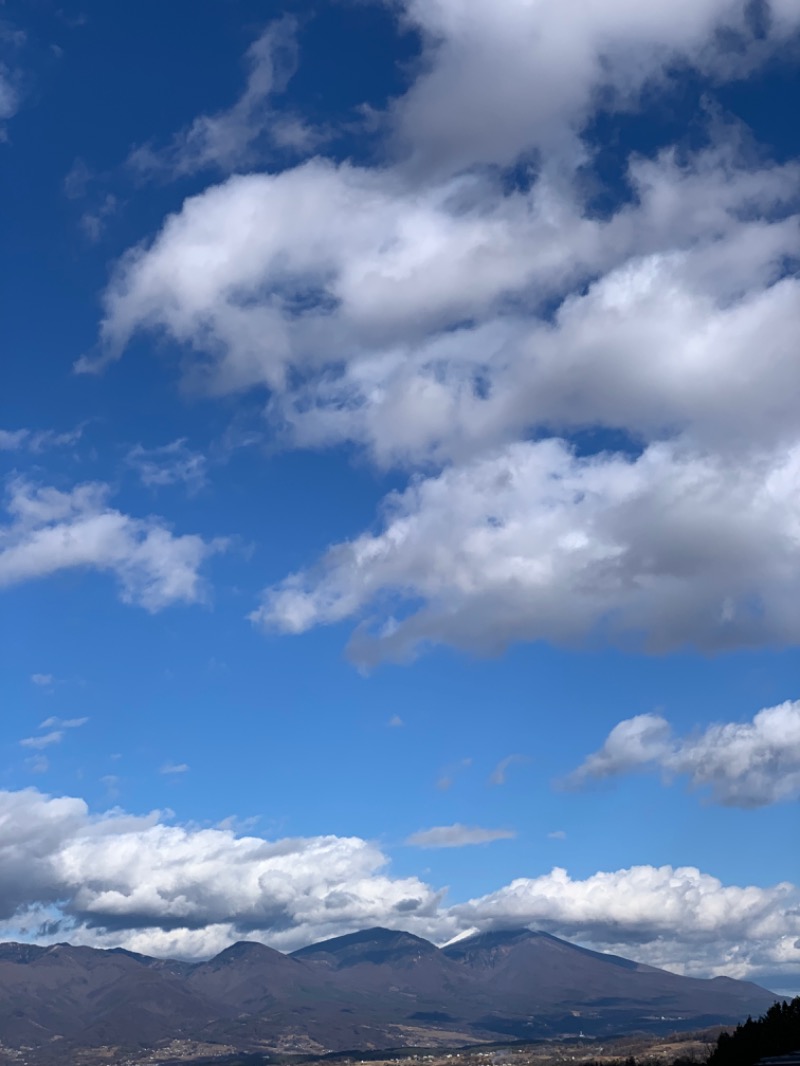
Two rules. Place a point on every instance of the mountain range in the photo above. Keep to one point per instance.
(374, 989)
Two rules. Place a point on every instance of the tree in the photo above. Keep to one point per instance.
(775, 1033)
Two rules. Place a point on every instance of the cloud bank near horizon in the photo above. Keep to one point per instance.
(158, 887)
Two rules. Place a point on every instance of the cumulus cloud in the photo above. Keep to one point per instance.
(457, 836)
(467, 329)
(170, 464)
(559, 63)
(163, 888)
(288, 257)
(675, 917)
(322, 259)
(691, 274)
(743, 764)
(236, 137)
(537, 543)
(125, 874)
(50, 530)
(696, 312)
(630, 744)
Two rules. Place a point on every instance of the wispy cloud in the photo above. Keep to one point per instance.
(395, 722)
(95, 220)
(39, 440)
(78, 179)
(241, 134)
(449, 773)
(47, 740)
(63, 723)
(111, 782)
(42, 680)
(38, 764)
(57, 727)
(170, 464)
(457, 836)
(499, 775)
(174, 768)
(557, 834)
(11, 80)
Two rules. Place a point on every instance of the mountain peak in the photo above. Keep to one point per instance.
(20, 953)
(245, 951)
(490, 940)
(377, 945)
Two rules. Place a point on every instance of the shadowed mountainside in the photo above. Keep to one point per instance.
(378, 988)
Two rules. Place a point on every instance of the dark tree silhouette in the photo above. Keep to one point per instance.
(775, 1033)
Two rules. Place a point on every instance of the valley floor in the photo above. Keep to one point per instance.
(642, 1047)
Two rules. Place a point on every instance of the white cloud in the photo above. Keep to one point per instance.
(499, 775)
(40, 440)
(171, 464)
(78, 179)
(326, 259)
(94, 221)
(174, 768)
(42, 680)
(410, 309)
(157, 887)
(50, 530)
(457, 836)
(288, 257)
(395, 722)
(11, 439)
(9, 97)
(448, 775)
(630, 745)
(47, 740)
(687, 270)
(675, 917)
(697, 286)
(743, 764)
(112, 783)
(11, 40)
(57, 727)
(122, 873)
(535, 543)
(238, 136)
(557, 834)
(38, 764)
(498, 80)
(63, 723)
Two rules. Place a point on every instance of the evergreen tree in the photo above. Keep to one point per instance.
(775, 1033)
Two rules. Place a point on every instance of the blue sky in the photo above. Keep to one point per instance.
(400, 458)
